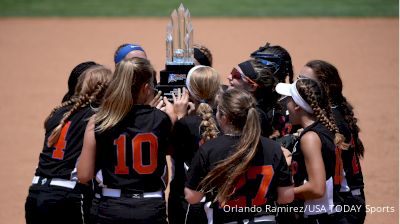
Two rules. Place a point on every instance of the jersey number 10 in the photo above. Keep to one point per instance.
(137, 165)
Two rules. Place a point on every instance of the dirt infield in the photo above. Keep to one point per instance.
(38, 54)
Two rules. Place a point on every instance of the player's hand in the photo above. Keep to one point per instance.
(181, 102)
(157, 100)
(168, 108)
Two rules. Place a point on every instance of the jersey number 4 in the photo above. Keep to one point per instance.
(267, 172)
(137, 143)
(59, 147)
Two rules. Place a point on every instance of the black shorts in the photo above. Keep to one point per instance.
(123, 210)
(355, 199)
(179, 211)
(48, 204)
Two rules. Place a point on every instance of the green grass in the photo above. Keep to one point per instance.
(214, 8)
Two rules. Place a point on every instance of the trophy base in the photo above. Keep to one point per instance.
(172, 79)
(167, 90)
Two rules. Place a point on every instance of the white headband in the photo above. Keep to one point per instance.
(188, 79)
(291, 90)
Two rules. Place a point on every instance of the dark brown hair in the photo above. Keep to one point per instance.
(329, 77)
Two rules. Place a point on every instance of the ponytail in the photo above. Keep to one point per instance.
(227, 173)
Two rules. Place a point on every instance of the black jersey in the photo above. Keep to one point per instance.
(131, 155)
(60, 160)
(351, 162)
(298, 165)
(185, 141)
(268, 170)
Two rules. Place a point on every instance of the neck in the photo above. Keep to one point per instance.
(231, 131)
(307, 120)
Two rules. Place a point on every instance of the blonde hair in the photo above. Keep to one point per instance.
(203, 84)
(123, 92)
(239, 107)
(89, 89)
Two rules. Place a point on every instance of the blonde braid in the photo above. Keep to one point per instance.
(64, 104)
(82, 101)
(208, 126)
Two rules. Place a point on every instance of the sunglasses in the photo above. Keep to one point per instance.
(238, 75)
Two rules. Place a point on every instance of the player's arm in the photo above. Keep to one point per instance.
(193, 196)
(285, 189)
(315, 187)
(87, 158)
(285, 195)
(195, 175)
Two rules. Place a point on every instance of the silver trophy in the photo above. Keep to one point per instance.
(179, 51)
(179, 38)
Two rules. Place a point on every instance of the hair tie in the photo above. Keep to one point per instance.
(125, 50)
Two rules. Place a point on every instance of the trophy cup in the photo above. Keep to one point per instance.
(179, 52)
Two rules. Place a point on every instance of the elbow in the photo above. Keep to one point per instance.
(190, 200)
(84, 177)
(286, 195)
(192, 197)
(286, 200)
(317, 192)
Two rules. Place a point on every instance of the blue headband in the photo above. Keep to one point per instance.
(125, 50)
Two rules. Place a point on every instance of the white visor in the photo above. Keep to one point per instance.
(188, 77)
(291, 90)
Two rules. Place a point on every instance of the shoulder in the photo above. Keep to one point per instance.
(310, 141)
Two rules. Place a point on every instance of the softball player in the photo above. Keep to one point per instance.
(343, 114)
(314, 151)
(55, 196)
(239, 169)
(278, 60)
(203, 83)
(126, 51)
(73, 78)
(126, 140)
(255, 77)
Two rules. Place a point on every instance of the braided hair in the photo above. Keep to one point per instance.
(89, 89)
(203, 84)
(278, 59)
(312, 92)
(328, 76)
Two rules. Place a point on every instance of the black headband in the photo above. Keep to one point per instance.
(201, 58)
(248, 70)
